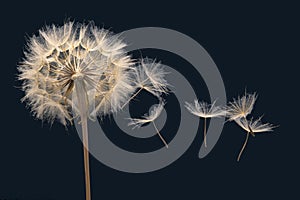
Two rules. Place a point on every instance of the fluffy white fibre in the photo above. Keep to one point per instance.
(149, 117)
(150, 75)
(205, 110)
(58, 56)
(254, 126)
(241, 107)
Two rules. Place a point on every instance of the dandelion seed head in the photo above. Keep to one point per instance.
(241, 107)
(205, 110)
(60, 55)
(150, 75)
(153, 114)
(254, 126)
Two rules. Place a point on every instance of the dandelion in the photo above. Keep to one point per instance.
(150, 118)
(205, 110)
(241, 107)
(252, 127)
(73, 67)
(150, 76)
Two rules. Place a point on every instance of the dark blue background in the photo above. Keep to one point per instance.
(255, 45)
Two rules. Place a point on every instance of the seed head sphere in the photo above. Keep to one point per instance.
(58, 56)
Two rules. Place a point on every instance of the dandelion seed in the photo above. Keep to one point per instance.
(252, 127)
(150, 76)
(205, 110)
(241, 107)
(71, 66)
(150, 118)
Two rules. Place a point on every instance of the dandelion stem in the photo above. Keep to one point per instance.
(162, 139)
(132, 97)
(245, 143)
(82, 101)
(86, 158)
(205, 132)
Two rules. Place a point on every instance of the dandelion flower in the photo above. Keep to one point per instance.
(252, 127)
(205, 110)
(70, 67)
(150, 76)
(150, 118)
(241, 107)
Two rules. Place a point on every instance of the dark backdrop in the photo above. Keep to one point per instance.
(254, 45)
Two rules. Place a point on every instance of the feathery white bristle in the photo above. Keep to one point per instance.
(254, 126)
(150, 76)
(149, 117)
(241, 107)
(59, 55)
(205, 110)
